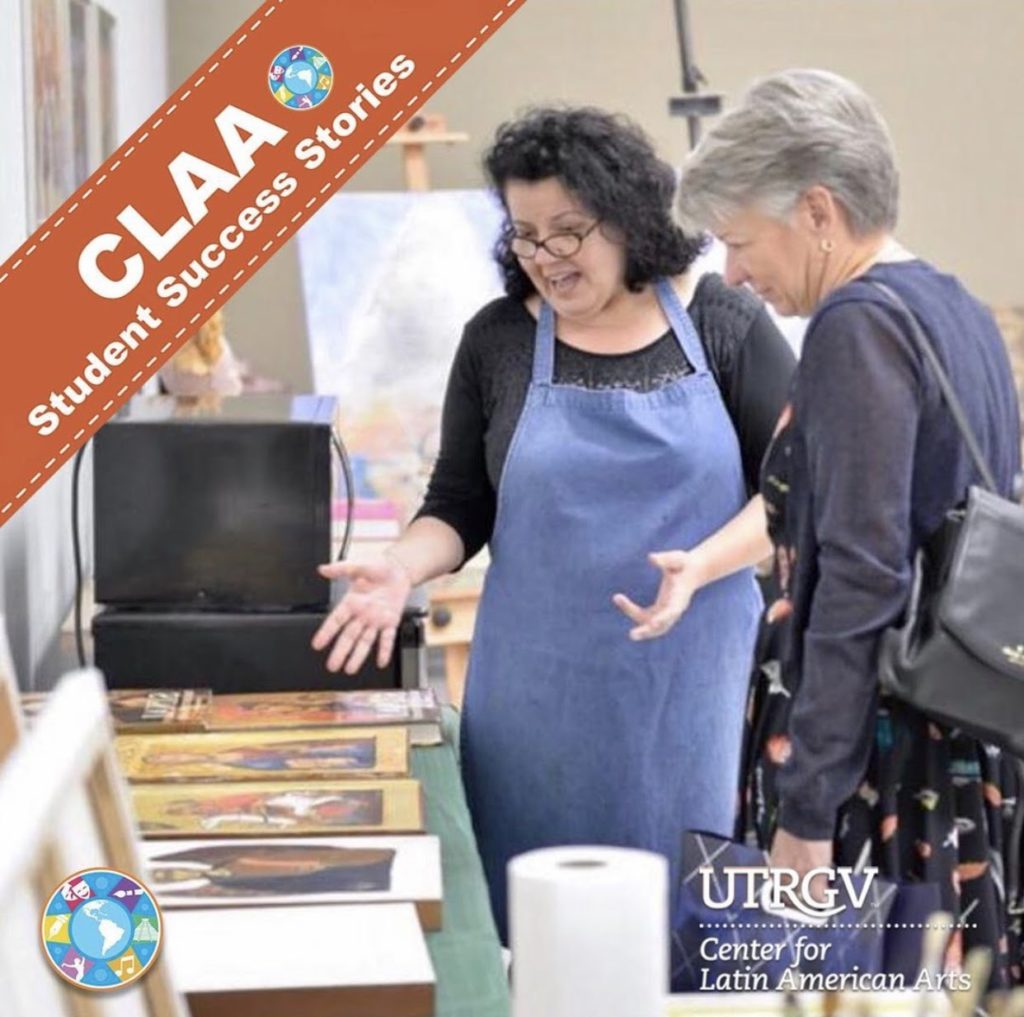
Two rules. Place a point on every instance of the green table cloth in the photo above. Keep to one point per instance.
(466, 953)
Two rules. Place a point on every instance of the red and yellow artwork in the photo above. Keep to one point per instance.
(254, 711)
(278, 808)
(314, 754)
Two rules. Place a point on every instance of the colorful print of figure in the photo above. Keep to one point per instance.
(342, 754)
(284, 810)
(265, 870)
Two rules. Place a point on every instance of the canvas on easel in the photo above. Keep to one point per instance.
(62, 784)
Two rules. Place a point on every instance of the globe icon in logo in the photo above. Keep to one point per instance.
(300, 77)
(101, 929)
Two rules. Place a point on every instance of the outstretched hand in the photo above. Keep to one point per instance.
(681, 577)
(371, 607)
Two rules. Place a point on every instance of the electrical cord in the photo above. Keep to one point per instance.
(77, 545)
(350, 491)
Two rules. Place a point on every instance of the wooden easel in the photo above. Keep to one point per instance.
(10, 706)
(422, 130)
(66, 808)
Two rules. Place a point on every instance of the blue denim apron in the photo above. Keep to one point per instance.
(571, 732)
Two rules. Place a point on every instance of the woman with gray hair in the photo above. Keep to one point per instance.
(800, 184)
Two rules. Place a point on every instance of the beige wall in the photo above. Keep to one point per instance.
(266, 319)
(949, 78)
(948, 74)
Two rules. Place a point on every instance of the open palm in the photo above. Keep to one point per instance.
(371, 609)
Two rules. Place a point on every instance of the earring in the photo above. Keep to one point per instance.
(827, 246)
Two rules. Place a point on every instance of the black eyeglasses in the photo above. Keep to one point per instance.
(563, 244)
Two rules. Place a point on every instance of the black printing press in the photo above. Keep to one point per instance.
(209, 526)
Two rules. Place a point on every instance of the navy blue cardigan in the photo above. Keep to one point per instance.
(872, 460)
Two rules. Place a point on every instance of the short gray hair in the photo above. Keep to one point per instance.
(792, 131)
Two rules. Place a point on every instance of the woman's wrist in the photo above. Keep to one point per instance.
(394, 554)
(701, 566)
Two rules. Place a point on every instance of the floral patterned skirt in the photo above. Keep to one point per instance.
(935, 806)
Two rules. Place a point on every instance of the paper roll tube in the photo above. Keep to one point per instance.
(589, 933)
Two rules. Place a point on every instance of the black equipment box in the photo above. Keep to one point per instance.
(235, 652)
(214, 507)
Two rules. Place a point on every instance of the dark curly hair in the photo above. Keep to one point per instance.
(610, 166)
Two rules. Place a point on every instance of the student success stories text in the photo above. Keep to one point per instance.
(196, 181)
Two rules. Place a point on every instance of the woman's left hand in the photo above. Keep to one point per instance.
(682, 575)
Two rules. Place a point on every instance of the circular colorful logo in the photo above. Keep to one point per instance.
(300, 77)
(101, 929)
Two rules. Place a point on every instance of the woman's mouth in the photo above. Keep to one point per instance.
(562, 284)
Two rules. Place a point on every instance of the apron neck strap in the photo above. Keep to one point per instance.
(544, 347)
(671, 306)
(682, 325)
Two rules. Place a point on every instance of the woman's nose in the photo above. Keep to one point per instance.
(735, 274)
(545, 257)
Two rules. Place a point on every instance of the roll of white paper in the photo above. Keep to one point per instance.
(589, 933)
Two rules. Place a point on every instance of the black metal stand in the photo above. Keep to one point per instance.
(694, 104)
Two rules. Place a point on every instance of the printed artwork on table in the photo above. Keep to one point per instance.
(180, 810)
(257, 872)
(299, 709)
(168, 709)
(151, 711)
(315, 754)
(262, 870)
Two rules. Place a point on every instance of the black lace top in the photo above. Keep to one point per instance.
(491, 374)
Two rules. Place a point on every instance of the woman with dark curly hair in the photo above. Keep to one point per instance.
(607, 406)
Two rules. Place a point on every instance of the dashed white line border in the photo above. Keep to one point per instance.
(443, 69)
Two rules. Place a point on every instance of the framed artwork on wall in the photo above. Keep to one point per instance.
(106, 71)
(70, 98)
(48, 107)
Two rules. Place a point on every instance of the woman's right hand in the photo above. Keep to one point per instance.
(683, 573)
(371, 607)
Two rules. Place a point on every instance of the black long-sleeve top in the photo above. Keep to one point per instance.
(491, 373)
(864, 472)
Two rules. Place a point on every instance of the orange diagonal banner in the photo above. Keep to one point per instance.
(195, 202)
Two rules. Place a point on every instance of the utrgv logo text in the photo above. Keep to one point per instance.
(778, 890)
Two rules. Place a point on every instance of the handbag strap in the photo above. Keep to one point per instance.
(928, 352)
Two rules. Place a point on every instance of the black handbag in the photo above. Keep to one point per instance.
(958, 655)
